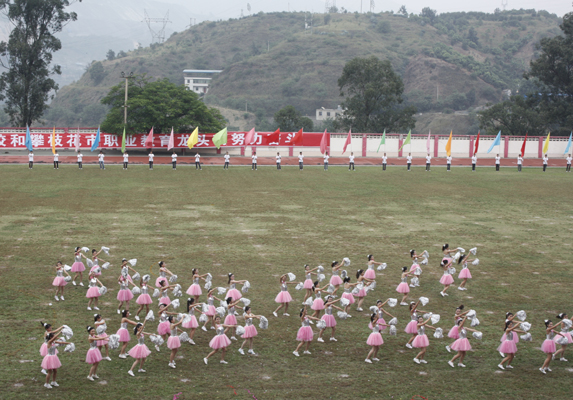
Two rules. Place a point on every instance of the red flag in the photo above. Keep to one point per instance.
(323, 143)
(149, 140)
(250, 137)
(297, 139)
(348, 141)
(171, 143)
(477, 145)
(275, 137)
(523, 145)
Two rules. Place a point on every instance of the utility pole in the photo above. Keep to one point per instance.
(126, 77)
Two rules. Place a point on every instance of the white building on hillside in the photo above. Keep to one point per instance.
(328, 113)
(198, 80)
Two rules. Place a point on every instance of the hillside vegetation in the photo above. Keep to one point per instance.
(449, 62)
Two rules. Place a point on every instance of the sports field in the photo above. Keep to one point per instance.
(261, 224)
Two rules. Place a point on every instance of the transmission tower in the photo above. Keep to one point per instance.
(504, 4)
(326, 6)
(249, 8)
(157, 36)
(372, 6)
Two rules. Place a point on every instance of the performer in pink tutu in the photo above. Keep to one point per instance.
(165, 288)
(318, 303)
(304, 334)
(211, 310)
(220, 341)
(231, 318)
(93, 291)
(421, 340)
(380, 314)
(508, 317)
(403, 287)
(363, 282)
(123, 333)
(416, 271)
(548, 345)
(192, 324)
(95, 262)
(454, 333)
(348, 293)
(195, 289)
(144, 299)
(51, 362)
(124, 295)
(164, 327)
(335, 280)
(508, 346)
(565, 327)
(140, 351)
(375, 338)
(284, 297)
(462, 344)
(308, 283)
(93, 355)
(412, 327)
(78, 266)
(446, 278)
(370, 273)
(447, 253)
(329, 319)
(414, 255)
(173, 343)
(163, 272)
(44, 347)
(250, 330)
(101, 328)
(232, 292)
(465, 273)
(59, 281)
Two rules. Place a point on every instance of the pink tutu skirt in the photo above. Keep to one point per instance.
(123, 335)
(461, 345)
(78, 266)
(446, 280)
(250, 331)
(403, 288)
(59, 281)
(173, 342)
(194, 290)
(139, 351)
(375, 339)
(164, 328)
(453, 333)
(124, 295)
(44, 350)
(465, 274)
(304, 334)
(361, 293)
(566, 334)
(370, 274)
(165, 300)
(317, 304)
(92, 270)
(308, 284)
(159, 279)
(230, 320)
(349, 297)
(219, 342)
(508, 347)
(192, 324)
(413, 267)
(93, 292)
(211, 311)
(234, 294)
(380, 322)
(144, 299)
(412, 327)
(51, 362)
(420, 341)
(283, 297)
(100, 343)
(335, 280)
(93, 356)
(548, 346)
(446, 260)
(330, 321)
(515, 338)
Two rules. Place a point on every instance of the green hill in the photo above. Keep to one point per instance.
(453, 61)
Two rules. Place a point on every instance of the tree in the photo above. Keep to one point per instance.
(290, 120)
(110, 55)
(97, 73)
(373, 97)
(161, 105)
(26, 86)
(327, 18)
(429, 14)
(121, 54)
(403, 11)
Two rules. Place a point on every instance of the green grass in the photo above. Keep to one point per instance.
(265, 223)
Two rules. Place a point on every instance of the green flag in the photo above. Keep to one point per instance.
(407, 141)
(123, 141)
(220, 138)
(382, 141)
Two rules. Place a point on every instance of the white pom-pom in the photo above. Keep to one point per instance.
(457, 256)
(355, 291)
(146, 278)
(451, 270)
(240, 330)
(177, 292)
(125, 272)
(521, 315)
(136, 277)
(173, 278)
(471, 314)
(203, 318)
(156, 340)
(424, 261)
(475, 262)
(561, 340)
(461, 249)
(527, 337)
(371, 287)
(346, 261)
(342, 315)
(360, 286)
(264, 322)
(320, 269)
(209, 277)
(156, 293)
(435, 318)
(105, 250)
(525, 326)
(208, 285)
(245, 301)
(247, 284)
(382, 267)
(567, 323)
(101, 329)
(221, 290)
(70, 348)
(321, 325)
(175, 303)
(424, 301)
(344, 274)
(85, 249)
(291, 276)
(299, 286)
(105, 265)
(150, 317)
(68, 278)
(308, 301)
(223, 303)
(221, 311)
(392, 302)
(113, 341)
(330, 288)
(184, 337)
(102, 290)
(67, 267)
(418, 270)
(425, 254)
(133, 262)
(438, 334)
(344, 302)
(393, 321)
(67, 332)
(321, 277)
(415, 281)
(474, 250)
(427, 315)
(90, 263)
(135, 291)
(373, 309)
(475, 322)
(392, 330)
(477, 335)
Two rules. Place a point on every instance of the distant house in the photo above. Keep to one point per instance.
(198, 80)
(328, 113)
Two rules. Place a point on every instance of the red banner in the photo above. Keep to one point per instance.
(9, 140)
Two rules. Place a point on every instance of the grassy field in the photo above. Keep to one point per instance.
(265, 223)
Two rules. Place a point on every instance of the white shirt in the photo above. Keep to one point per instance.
(568, 160)
(497, 160)
(409, 159)
(474, 160)
(300, 157)
(31, 157)
(126, 157)
(227, 157)
(56, 156)
(545, 160)
(278, 159)
(254, 158)
(428, 159)
(448, 159)
(151, 155)
(384, 158)
(100, 157)
(197, 157)
(351, 159)
(80, 156)
(519, 160)
(173, 157)
(326, 159)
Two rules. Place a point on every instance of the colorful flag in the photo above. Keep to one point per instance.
(323, 143)
(171, 143)
(496, 142)
(407, 141)
(96, 141)
(546, 144)
(123, 141)
(220, 138)
(78, 140)
(477, 145)
(428, 142)
(449, 145)
(250, 137)
(348, 141)
(54, 141)
(523, 145)
(29, 145)
(149, 140)
(568, 144)
(275, 137)
(382, 141)
(297, 140)
(193, 139)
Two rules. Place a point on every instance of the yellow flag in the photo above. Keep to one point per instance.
(546, 144)
(193, 139)
(449, 145)
(54, 141)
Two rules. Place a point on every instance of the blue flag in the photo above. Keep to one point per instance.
(96, 141)
(29, 139)
(496, 142)
(568, 144)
